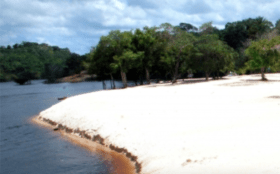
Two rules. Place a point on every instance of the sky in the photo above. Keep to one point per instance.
(78, 24)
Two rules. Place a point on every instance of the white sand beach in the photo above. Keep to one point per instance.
(221, 126)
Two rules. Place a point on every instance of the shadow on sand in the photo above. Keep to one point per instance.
(275, 97)
(250, 82)
(184, 82)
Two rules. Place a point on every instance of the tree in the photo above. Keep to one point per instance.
(30, 60)
(263, 54)
(146, 42)
(15, 46)
(125, 58)
(124, 62)
(239, 35)
(208, 28)
(277, 25)
(188, 27)
(212, 55)
(101, 57)
(55, 63)
(235, 34)
(225, 58)
(178, 50)
(257, 27)
(74, 64)
(114, 52)
(25, 67)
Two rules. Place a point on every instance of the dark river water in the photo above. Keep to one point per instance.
(27, 148)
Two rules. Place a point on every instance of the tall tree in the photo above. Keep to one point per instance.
(126, 61)
(257, 27)
(179, 48)
(212, 55)
(145, 41)
(125, 58)
(101, 57)
(277, 25)
(188, 27)
(208, 28)
(235, 34)
(264, 54)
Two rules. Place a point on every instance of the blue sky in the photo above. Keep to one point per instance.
(78, 24)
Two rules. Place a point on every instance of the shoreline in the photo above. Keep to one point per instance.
(119, 161)
(189, 127)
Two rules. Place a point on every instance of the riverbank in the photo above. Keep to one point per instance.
(116, 162)
(223, 126)
(81, 77)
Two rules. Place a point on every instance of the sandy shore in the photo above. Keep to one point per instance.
(223, 126)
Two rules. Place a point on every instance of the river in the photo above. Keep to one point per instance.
(27, 148)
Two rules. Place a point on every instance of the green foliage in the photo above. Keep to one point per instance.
(109, 46)
(74, 64)
(208, 28)
(188, 27)
(263, 54)
(127, 60)
(29, 60)
(236, 33)
(212, 55)
(145, 41)
(178, 50)
(240, 34)
(277, 26)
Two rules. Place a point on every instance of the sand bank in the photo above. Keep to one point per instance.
(117, 163)
(224, 126)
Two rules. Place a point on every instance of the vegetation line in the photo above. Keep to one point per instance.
(164, 52)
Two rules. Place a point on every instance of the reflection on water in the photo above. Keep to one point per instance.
(25, 148)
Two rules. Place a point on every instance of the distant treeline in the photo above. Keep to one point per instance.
(163, 52)
(26, 61)
(170, 52)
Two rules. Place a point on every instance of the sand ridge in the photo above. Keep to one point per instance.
(221, 126)
(117, 163)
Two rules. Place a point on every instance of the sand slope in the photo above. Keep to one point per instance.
(224, 126)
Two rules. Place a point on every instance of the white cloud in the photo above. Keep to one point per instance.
(118, 4)
(85, 21)
(51, 31)
(94, 32)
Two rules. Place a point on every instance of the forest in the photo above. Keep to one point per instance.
(27, 61)
(164, 52)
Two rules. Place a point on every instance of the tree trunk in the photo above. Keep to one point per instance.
(112, 79)
(218, 74)
(104, 84)
(214, 76)
(124, 79)
(207, 75)
(176, 71)
(141, 80)
(147, 76)
(263, 76)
